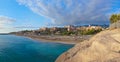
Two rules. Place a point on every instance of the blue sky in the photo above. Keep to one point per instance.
(18, 15)
(23, 16)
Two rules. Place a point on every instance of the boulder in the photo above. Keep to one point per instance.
(103, 47)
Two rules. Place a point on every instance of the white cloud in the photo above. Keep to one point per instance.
(6, 24)
(72, 11)
(5, 21)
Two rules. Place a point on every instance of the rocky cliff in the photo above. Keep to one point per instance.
(103, 47)
(115, 25)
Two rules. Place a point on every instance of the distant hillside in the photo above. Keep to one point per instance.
(103, 47)
(4, 34)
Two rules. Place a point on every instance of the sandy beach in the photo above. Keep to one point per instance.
(59, 39)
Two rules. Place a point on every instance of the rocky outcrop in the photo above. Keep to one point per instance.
(103, 47)
(115, 25)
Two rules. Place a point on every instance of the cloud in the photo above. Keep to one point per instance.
(5, 21)
(64, 12)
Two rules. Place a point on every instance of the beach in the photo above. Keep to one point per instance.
(58, 39)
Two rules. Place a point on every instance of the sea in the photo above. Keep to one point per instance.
(21, 49)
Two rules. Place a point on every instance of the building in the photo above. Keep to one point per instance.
(89, 28)
(81, 28)
(43, 29)
(70, 28)
(94, 27)
(53, 29)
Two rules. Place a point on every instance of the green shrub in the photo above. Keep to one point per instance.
(90, 32)
(114, 18)
(68, 33)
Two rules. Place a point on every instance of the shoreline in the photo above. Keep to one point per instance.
(61, 42)
(58, 39)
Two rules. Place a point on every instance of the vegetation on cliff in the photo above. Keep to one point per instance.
(115, 21)
(114, 18)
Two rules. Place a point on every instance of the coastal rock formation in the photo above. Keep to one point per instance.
(103, 47)
(115, 25)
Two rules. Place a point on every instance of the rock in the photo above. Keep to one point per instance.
(103, 47)
(115, 25)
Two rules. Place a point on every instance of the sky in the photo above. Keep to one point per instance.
(16, 15)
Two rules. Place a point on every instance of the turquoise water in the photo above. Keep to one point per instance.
(19, 49)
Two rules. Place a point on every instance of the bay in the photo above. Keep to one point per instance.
(20, 49)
